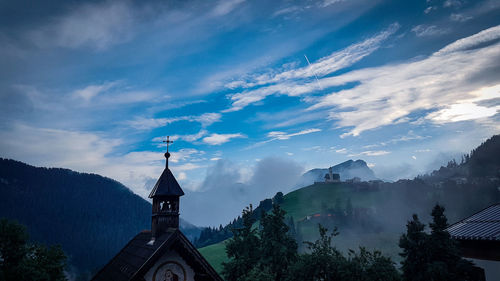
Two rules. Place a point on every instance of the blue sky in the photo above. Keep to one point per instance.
(253, 93)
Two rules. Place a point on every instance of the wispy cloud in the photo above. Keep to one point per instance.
(326, 3)
(188, 138)
(410, 136)
(469, 109)
(453, 3)
(460, 17)
(218, 139)
(371, 153)
(286, 82)
(224, 7)
(429, 30)
(142, 123)
(91, 91)
(96, 25)
(284, 136)
(388, 93)
(430, 9)
(277, 135)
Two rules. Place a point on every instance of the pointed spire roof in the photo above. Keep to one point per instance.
(166, 185)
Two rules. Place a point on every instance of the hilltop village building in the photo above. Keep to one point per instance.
(164, 253)
(331, 177)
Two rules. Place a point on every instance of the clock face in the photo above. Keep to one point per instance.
(170, 271)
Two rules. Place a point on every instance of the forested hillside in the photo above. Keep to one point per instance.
(90, 216)
(373, 214)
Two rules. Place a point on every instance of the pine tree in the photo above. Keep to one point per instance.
(415, 252)
(433, 256)
(242, 250)
(446, 262)
(278, 248)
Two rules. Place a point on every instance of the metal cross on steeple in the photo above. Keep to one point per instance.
(168, 142)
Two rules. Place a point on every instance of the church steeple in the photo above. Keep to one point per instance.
(165, 195)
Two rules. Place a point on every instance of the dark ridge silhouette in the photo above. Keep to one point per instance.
(90, 216)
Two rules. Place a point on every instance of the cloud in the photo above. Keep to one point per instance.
(460, 17)
(142, 123)
(96, 25)
(207, 119)
(276, 135)
(218, 139)
(287, 10)
(468, 109)
(452, 3)
(92, 153)
(410, 136)
(429, 30)
(485, 36)
(185, 154)
(324, 66)
(224, 7)
(371, 153)
(389, 93)
(342, 150)
(326, 3)
(91, 91)
(430, 9)
(285, 136)
(61, 148)
(237, 186)
(188, 138)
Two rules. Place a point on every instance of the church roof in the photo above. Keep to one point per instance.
(138, 256)
(483, 225)
(166, 185)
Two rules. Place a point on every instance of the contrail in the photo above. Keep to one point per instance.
(317, 80)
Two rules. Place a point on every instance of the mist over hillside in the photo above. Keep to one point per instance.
(374, 214)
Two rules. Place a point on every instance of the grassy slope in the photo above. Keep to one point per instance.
(310, 200)
(215, 254)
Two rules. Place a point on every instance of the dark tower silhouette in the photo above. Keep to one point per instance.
(148, 255)
(165, 195)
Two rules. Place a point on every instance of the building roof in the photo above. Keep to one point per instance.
(483, 225)
(138, 256)
(166, 185)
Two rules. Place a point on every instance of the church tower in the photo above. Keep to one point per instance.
(164, 253)
(165, 195)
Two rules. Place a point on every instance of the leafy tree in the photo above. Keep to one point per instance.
(370, 266)
(243, 249)
(324, 262)
(21, 261)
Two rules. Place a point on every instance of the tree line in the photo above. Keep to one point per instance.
(21, 260)
(268, 252)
